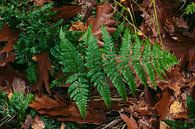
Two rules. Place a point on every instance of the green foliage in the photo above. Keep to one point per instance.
(70, 57)
(17, 105)
(177, 124)
(110, 65)
(37, 30)
(79, 91)
(96, 66)
(190, 9)
(73, 64)
(31, 72)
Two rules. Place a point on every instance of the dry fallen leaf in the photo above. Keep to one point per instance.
(44, 67)
(38, 123)
(67, 111)
(103, 17)
(130, 121)
(173, 80)
(163, 105)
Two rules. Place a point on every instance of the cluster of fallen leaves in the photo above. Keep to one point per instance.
(142, 111)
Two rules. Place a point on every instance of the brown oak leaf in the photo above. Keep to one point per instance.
(44, 68)
(103, 16)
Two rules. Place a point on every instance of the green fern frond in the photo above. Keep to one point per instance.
(31, 73)
(135, 57)
(79, 91)
(70, 57)
(118, 31)
(94, 64)
(110, 65)
(146, 61)
(124, 64)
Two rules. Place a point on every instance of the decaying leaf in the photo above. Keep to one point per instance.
(163, 105)
(44, 67)
(130, 121)
(66, 111)
(172, 80)
(38, 123)
(103, 17)
(7, 35)
(67, 11)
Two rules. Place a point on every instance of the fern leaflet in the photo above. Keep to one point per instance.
(110, 66)
(94, 64)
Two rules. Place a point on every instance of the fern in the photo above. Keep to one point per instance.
(79, 91)
(110, 65)
(94, 64)
(136, 58)
(31, 72)
(124, 65)
(190, 9)
(73, 63)
(70, 57)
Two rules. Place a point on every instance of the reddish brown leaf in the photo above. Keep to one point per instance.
(173, 80)
(45, 102)
(66, 111)
(44, 67)
(163, 105)
(148, 97)
(6, 34)
(6, 57)
(131, 123)
(103, 17)
(67, 11)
